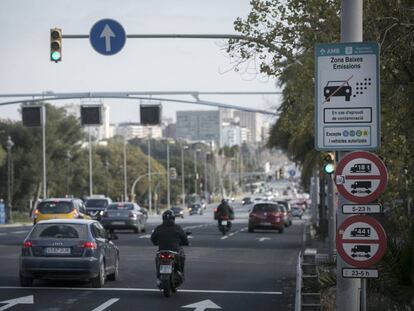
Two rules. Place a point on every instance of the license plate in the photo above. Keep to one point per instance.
(266, 224)
(58, 250)
(224, 222)
(118, 223)
(165, 269)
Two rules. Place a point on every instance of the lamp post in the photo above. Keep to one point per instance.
(205, 175)
(195, 170)
(90, 163)
(68, 158)
(9, 146)
(182, 175)
(149, 174)
(107, 176)
(125, 172)
(168, 175)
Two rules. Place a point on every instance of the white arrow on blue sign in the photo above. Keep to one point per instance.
(107, 36)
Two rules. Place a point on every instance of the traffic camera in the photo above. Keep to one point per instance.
(55, 45)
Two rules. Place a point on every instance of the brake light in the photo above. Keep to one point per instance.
(36, 212)
(89, 245)
(27, 244)
(277, 219)
(105, 214)
(166, 256)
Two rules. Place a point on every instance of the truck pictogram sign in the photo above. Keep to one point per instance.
(361, 241)
(361, 177)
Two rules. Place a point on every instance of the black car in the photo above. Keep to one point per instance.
(178, 211)
(74, 249)
(195, 209)
(125, 215)
(96, 206)
(337, 88)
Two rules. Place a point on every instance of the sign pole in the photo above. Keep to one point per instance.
(351, 31)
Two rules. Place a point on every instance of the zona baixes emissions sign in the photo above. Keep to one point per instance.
(347, 114)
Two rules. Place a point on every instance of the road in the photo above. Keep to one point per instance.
(241, 271)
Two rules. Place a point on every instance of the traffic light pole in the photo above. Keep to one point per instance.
(347, 289)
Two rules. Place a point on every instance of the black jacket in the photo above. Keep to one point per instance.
(169, 236)
(224, 209)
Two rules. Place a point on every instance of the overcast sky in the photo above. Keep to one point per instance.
(142, 65)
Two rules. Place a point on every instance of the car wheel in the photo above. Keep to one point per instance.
(25, 282)
(114, 276)
(250, 229)
(281, 230)
(99, 280)
(143, 229)
(300, 217)
(137, 229)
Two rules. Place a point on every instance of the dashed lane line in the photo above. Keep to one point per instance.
(202, 291)
(106, 304)
(232, 233)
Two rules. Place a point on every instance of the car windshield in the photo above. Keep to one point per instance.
(196, 206)
(55, 207)
(125, 206)
(96, 203)
(266, 208)
(336, 83)
(59, 231)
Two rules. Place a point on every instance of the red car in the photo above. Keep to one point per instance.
(266, 216)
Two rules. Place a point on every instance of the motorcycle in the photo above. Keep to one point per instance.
(224, 224)
(169, 276)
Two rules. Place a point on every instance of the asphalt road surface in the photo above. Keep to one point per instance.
(240, 271)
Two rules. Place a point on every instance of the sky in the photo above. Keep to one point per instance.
(142, 64)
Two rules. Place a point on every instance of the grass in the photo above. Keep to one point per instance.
(21, 217)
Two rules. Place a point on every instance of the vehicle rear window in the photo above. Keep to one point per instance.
(57, 207)
(121, 206)
(59, 231)
(266, 208)
(96, 203)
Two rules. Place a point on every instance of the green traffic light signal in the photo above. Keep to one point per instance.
(56, 44)
(328, 168)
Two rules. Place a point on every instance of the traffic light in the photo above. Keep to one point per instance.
(55, 45)
(91, 115)
(150, 114)
(32, 116)
(329, 163)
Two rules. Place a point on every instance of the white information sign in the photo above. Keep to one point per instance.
(347, 114)
(359, 273)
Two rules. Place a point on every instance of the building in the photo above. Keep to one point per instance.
(234, 135)
(251, 120)
(199, 125)
(130, 130)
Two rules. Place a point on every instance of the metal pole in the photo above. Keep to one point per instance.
(182, 176)
(90, 163)
(125, 172)
(331, 219)
(9, 146)
(168, 175)
(347, 288)
(195, 171)
(149, 175)
(44, 151)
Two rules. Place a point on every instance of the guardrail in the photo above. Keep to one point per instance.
(298, 294)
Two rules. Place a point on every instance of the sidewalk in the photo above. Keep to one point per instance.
(16, 224)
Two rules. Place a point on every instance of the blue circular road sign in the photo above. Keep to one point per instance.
(107, 36)
(292, 173)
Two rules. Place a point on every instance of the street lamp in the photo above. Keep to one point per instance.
(125, 171)
(195, 170)
(168, 175)
(68, 158)
(182, 174)
(205, 175)
(9, 146)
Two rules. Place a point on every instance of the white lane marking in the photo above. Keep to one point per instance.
(202, 305)
(106, 304)
(224, 237)
(27, 300)
(264, 239)
(146, 236)
(233, 233)
(19, 232)
(207, 291)
(3, 233)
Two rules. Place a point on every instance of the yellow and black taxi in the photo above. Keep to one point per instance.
(60, 208)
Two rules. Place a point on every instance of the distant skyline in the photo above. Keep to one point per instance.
(142, 65)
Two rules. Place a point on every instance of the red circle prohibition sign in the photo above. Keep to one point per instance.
(382, 177)
(381, 241)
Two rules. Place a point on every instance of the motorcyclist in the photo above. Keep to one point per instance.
(224, 210)
(170, 236)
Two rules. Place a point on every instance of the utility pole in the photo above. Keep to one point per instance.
(149, 175)
(347, 289)
(168, 174)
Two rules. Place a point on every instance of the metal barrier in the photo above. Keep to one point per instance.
(298, 294)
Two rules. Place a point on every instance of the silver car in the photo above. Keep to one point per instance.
(124, 215)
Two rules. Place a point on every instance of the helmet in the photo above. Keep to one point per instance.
(223, 201)
(168, 216)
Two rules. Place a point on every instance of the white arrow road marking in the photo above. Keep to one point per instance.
(107, 33)
(106, 304)
(27, 300)
(264, 239)
(202, 305)
(146, 236)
